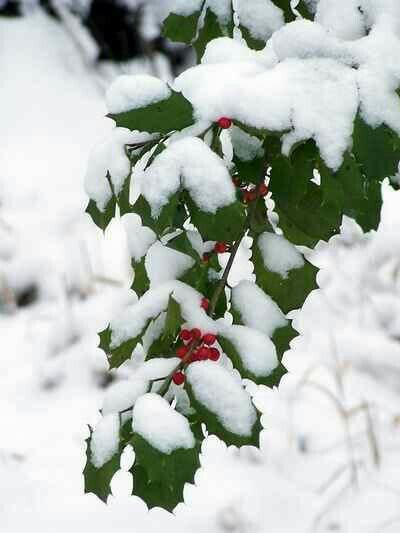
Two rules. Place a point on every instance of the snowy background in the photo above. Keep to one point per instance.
(330, 454)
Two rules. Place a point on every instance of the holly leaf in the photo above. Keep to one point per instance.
(225, 225)
(377, 150)
(102, 218)
(173, 321)
(97, 480)
(210, 30)
(117, 355)
(252, 42)
(290, 292)
(141, 282)
(159, 478)
(173, 113)
(306, 208)
(358, 197)
(181, 243)
(180, 28)
(166, 218)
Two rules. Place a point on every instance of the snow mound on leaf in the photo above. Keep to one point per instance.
(161, 426)
(105, 440)
(257, 309)
(131, 322)
(256, 351)
(261, 17)
(139, 238)
(279, 255)
(217, 389)
(109, 157)
(123, 395)
(131, 92)
(188, 163)
(165, 264)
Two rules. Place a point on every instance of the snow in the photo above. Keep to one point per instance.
(257, 309)
(222, 394)
(157, 368)
(105, 440)
(279, 255)
(123, 394)
(133, 319)
(131, 92)
(179, 7)
(256, 351)
(245, 146)
(343, 18)
(139, 238)
(188, 163)
(108, 158)
(173, 264)
(160, 425)
(261, 17)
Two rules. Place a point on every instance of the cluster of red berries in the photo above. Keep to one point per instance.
(249, 194)
(204, 350)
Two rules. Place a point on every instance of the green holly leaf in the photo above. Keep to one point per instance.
(287, 11)
(357, 197)
(141, 282)
(282, 338)
(290, 292)
(252, 42)
(166, 218)
(303, 203)
(173, 321)
(210, 30)
(225, 225)
(377, 150)
(180, 28)
(117, 355)
(174, 113)
(159, 478)
(181, 243)
(97, 480)
(102, 218)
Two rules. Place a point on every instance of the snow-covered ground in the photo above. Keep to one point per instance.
(329, 459)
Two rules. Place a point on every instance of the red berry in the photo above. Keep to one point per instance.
(220, 247)
(178, 378)
(196, 333)
(236, 181)
(194, 357)
(206, 258)
(214, 354)
(224, 123)
(185, 335)
(203, 353)
(205, 304)
(263, 189)
(209, 339)
(182, 351)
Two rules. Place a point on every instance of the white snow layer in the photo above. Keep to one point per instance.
(191, 164)
(221, 393)
(257, 309)
(131, 92)
(109, 157)
(131, 322)
(279, 255)
(105, 440)
(159, 424)
(256, 351)
(165, 264)
(304, 82)
(139, 238)
(123, 394)
(261, 17)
